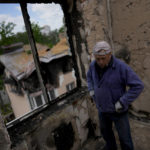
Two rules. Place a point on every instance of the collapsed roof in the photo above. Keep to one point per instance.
(20, 64)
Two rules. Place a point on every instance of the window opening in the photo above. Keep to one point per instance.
(37, 101)
(70, 86)
(54, 62)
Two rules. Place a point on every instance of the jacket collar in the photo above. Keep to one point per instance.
(114, 62)
(113, 65)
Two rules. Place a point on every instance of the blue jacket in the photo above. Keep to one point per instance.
(112, 86)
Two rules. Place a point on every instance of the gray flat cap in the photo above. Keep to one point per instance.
(101, 48)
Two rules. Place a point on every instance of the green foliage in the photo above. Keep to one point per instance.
(8, 37)
(1, 83)
(50, 39)
(29, 52)
(62, 29)
(6, 32)
(50, 45)
(37, 32)
(6, 109)
(54, 37)
(1, 51)
(21, 37)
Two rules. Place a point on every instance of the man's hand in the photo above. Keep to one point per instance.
(118, 106)
(92, 93)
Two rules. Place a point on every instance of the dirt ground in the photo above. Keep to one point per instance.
(140, 134)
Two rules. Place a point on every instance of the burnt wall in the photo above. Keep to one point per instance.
(125, 25)
(76, 113)
(67, 124)
(131, 37)
(5, 141)
(86, 24)
(95, 17)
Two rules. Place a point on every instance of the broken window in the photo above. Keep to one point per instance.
(53, 48)
(13, 58)
(38, 68)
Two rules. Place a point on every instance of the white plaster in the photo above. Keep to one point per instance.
(69, 110)
(73, 74)
(83, 132)
(83, 115)
(61, 103)
(84, 104)
(61, 79)
(82, 33)
(27, 97)
(56, 92)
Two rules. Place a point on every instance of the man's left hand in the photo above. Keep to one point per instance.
(118, 106)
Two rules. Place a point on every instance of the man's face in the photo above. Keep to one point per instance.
(103, 60)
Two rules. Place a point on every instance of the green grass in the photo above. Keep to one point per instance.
(6, 109)
(29, 52)
(1, 83)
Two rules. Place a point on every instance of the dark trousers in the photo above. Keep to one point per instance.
(122, 126)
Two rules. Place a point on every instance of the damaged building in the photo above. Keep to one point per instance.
(21, 81)
(69, 123)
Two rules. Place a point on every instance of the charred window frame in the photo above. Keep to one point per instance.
(27, 22)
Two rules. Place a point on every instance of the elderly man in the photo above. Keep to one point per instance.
(107, 79)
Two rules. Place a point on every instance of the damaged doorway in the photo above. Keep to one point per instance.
(54, 55)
